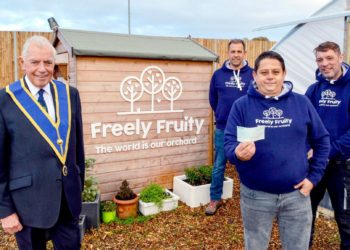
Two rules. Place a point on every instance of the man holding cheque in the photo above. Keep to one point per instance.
(266, 138)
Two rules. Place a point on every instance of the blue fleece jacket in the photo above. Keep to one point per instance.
(332, 103)
(224, 90)
(280, 160)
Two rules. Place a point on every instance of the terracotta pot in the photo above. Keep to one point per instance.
(126, 208)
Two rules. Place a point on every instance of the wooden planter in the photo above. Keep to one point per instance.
(149, 208)
(126, 208)
(195, 196)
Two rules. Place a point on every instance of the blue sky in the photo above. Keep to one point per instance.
(198, 18)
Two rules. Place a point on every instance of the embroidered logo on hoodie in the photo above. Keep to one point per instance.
(233, 83)
(328, 99)
(273, 118)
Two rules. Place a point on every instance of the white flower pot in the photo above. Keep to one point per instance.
(195, 196)
(149, 208)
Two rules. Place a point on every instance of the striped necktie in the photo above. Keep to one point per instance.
(41, 99)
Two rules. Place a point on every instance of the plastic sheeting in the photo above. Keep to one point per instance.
(298, 45)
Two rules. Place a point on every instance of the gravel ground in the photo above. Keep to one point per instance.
(188, 228)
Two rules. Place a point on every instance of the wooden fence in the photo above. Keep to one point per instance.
(11, 47)
(219, 46)
(12, 42)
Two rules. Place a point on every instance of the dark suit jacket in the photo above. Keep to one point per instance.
(31, 179)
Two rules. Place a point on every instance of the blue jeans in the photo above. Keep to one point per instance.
(293, 213)
(217, 176)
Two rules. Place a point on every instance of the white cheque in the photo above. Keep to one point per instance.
(250, 134)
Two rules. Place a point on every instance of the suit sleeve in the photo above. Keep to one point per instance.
(6, 205)
(79, 139)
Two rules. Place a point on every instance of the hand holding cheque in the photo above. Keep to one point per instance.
(247, 136)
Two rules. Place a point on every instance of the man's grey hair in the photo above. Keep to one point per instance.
(40, 41)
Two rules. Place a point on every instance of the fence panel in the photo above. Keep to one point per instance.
(7, 60)
(7, 57)
(219, 46)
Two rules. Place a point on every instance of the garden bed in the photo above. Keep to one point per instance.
(189, 228)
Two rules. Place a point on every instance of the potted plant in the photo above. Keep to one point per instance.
(154, 199)
(126, 201)
(91, 197)
(193, 187)
(108, 209)
(197, 176)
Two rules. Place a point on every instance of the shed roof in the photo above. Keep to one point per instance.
(91, 43)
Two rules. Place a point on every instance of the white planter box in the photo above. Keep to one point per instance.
(149, 208)
(195, 196)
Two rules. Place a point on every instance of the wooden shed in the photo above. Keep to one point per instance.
(146, 114)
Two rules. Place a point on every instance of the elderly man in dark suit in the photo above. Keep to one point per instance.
(41, 154)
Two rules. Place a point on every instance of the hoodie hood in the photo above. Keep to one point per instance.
(342, 80)
(242, 70)
(286, 90)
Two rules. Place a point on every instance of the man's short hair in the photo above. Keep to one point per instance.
(323, 47)
(236, 41)
(269, 55)
(37, 40)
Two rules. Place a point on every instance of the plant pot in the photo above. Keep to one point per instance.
(109, 216)
(195, 196)
(149, 208)
(92, 212)
(126, 208)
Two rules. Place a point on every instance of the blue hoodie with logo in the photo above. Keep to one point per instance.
(280, 160)
(224, 90)
(332, 102)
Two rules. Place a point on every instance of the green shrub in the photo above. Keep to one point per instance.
(108, 206)
(90, 184)
(205, 173)
(201, 175)
(154, 193)
(131, 220)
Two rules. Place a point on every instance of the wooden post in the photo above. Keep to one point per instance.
(15, 56)
(346, 50)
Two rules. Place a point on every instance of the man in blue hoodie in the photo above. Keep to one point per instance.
(330, 95)
(228, 83)
(276, 178)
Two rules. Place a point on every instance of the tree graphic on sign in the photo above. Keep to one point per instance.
(153, 79)
(131, 89)
(172, 90)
